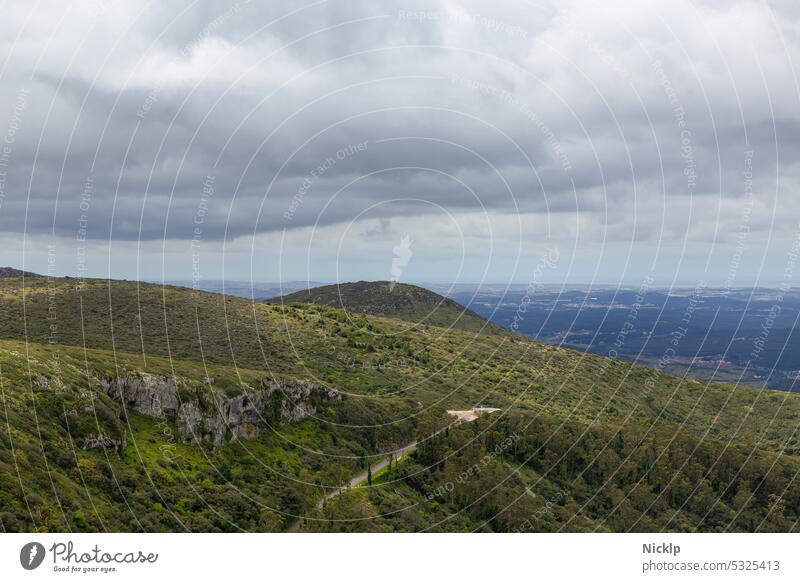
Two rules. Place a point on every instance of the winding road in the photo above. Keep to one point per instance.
(359, 479)
(460, 415)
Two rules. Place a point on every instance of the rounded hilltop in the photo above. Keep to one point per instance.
(395, 300)
(10, 272)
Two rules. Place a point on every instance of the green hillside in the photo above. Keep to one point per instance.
(525, 473)
(132, 406)
(408, 303)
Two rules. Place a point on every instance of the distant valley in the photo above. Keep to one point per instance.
(743, 336)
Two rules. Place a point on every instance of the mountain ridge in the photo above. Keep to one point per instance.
(410, 303)
(10, 272)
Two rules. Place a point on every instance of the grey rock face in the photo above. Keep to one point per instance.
(298, 397)
(214, 419)
(103, 441)
(197, 426)
(155, 396)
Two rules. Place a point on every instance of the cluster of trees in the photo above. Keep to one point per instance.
(553, 475)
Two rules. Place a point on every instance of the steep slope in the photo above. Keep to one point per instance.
(95, 440)
(85, 433)
(382, 357)
(525, 474)
(396, 300)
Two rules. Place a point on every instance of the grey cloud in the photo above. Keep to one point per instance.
(517, 83)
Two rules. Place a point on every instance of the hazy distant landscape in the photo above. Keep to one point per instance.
(739, 336)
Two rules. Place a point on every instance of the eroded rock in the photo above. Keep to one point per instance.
(103, 441)
(211, 418)
(155, 396)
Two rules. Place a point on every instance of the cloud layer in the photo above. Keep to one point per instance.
(591, 126)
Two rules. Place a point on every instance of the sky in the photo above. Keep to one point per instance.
(438, 141)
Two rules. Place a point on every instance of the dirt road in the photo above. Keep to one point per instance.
(360, 478)
(461, 415)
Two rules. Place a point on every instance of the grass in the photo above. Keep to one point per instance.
(59, 337)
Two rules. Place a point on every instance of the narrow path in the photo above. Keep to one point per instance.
(359, 479)
(364, 475)
(460, 415)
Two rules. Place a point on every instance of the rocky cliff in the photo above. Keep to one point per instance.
(155, 396)
(203, 415)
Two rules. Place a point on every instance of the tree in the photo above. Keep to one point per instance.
(369, 474)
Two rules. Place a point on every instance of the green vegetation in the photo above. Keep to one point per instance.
(585, 429)
(48, 482)
(523, 473)
(407, 303)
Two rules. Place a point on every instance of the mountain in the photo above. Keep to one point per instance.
(257, 290)
(395, 300)
(137, 407)
(6, 272)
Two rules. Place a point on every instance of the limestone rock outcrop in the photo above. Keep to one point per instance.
(155, 396)
(103, 441)
(206, 416)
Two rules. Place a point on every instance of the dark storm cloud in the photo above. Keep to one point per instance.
(256, 117)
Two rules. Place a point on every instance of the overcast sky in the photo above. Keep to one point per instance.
(288, 140)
